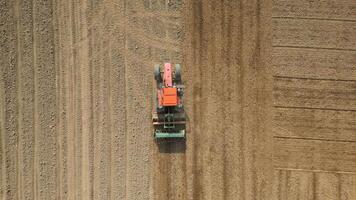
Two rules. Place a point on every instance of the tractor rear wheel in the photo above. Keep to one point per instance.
(157, 74)
(177, 73)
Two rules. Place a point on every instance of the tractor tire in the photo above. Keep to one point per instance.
(177, 73)
(157, 74)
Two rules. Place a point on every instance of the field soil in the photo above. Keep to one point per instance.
(77, 90)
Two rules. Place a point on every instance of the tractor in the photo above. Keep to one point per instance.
(169, 118)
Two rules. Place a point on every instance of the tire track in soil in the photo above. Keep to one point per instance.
(26, 100)
(45, 99)
(66, 166)
(118, 103)
(9, 78)
(86, 189)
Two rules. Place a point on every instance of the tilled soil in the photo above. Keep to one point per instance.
(76, 91)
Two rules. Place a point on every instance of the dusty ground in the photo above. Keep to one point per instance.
(314, 69)
(76, 90)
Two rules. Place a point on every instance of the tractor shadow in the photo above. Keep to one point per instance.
(177, 146)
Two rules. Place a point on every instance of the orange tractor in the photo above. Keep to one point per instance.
(169, 116)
